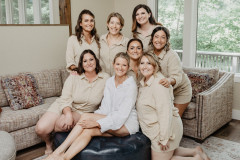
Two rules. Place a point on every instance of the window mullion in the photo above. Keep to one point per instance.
(37, 11)
(51, 13)
(9, 12)
(0, 12)
(190, 32)
(22, 11)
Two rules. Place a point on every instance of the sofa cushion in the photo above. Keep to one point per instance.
(21, 91)
(11, 120)
(190, 112)
(49, 82)
(212, 72)
(3, 98)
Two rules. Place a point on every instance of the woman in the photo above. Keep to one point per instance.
(113, 42)
(115, 117)
(135, 51)
(159, 119)
(171, 68)
(85, 38)
(78, 89)
(143, 24)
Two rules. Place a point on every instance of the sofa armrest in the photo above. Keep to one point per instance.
(214, 106)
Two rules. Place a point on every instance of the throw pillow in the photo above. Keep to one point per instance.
(21, 91)
(200, 82)
(212, 72)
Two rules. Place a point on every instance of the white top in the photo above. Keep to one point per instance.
(118, 103)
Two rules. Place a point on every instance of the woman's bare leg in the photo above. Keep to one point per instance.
(190, 152)
(161, 155)
(44, 127)
(76, 131)
(81, 142)
(181, 108)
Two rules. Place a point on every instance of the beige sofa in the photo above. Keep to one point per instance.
(21, 123)
(213, 107)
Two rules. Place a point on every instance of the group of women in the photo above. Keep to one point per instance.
(149, 88)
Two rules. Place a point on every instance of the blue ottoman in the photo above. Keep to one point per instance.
(136, 146)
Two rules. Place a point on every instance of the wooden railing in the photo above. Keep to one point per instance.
(224, 61)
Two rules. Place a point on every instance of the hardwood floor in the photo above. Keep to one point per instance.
(229, 132)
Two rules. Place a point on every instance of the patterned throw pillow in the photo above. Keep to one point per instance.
(21, 91)
(200, 82)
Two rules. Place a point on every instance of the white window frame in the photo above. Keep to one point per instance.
(189, 30)
(22, 11)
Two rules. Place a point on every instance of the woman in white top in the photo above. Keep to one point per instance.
(85, 38)
(112, 42)
(159, 119)
(143, 24)
(116, 116)
(81, 93)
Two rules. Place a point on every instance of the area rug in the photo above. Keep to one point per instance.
(216, 148)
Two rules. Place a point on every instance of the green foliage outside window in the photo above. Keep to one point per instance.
(218, 24)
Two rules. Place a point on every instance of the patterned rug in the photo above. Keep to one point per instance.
(216, 148)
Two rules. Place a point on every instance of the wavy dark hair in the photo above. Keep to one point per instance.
(134, 39)
(79, 30)
(166, 31)
(80, 63)
(135, 24)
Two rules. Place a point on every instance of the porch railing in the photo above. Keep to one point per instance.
(229, 62)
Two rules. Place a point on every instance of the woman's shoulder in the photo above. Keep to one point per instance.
(104, 75)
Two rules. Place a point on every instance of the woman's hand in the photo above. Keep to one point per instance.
(164, 147)
(68, 122)
(165, 82)
(86, 123)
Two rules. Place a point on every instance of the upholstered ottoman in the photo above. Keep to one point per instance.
(7, 146)
(136, 146)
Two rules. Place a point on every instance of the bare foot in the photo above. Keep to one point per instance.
(199, 151)
(197, 157)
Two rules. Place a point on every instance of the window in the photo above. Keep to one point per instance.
(210, 33)
(25, 11)
(170, 14)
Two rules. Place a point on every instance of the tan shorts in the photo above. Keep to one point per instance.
(183, 95)
(174, 143)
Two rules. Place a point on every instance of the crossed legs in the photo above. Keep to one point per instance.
(79, 138)
(48, 123)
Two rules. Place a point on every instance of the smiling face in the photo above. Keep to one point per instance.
(142, 16)
(120, 67)
(114, 26)
(135, 50)
(89, 63)
(159, 40)
(146, 68)
(87, 23)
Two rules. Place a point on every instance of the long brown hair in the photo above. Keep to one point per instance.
(79, 30)
(135, 24)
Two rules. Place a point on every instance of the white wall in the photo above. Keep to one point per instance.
(32, 48)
